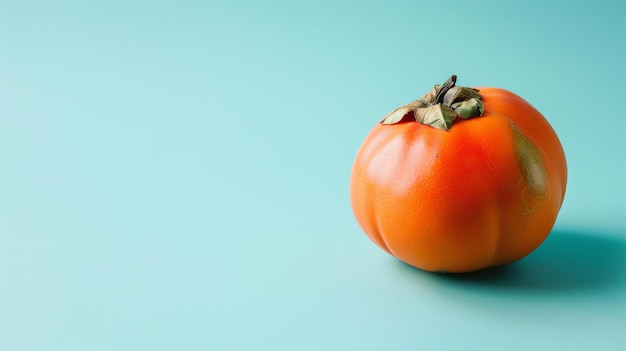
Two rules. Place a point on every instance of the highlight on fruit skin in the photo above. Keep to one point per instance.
(459, 180)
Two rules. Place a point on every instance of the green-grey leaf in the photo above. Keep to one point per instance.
(429, 97)
(396, 115)
(469, 108)
(437, 116)
(416, 104)
(457, 93)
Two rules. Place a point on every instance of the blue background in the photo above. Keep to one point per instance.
(174, 175)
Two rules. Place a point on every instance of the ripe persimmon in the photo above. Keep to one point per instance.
(460, 180)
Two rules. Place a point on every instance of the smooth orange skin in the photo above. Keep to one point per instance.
(458, 201)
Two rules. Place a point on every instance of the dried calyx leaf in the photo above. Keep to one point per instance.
(439, 107)
(396, 115)
(456, 94)
(401, 112)
(469, 108)
(438, 116)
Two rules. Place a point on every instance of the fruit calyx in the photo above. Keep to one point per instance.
(441, 106)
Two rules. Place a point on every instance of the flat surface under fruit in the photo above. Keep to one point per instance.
(174, 175)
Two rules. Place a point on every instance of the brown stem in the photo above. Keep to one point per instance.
(441, 106)
(449, 84)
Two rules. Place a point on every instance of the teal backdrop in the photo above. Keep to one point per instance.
(174, 175)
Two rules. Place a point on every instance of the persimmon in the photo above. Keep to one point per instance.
(459, 180)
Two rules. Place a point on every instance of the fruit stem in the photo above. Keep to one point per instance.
(449, 84)
(441, 106)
